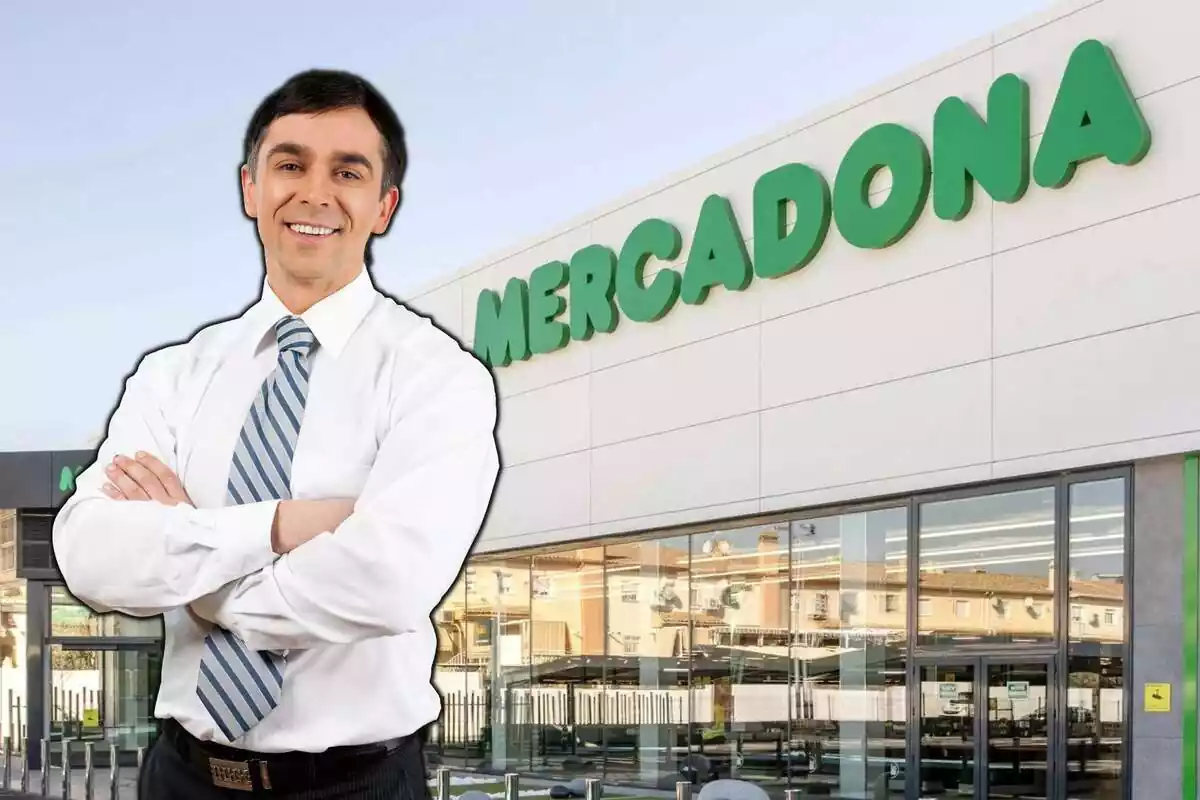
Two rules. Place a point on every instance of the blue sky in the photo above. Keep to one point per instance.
(120, 223)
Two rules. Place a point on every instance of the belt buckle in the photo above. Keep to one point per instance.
(232, 774)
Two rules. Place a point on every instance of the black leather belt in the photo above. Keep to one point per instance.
(250, 771)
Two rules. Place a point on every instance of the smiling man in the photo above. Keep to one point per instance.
(296, 489)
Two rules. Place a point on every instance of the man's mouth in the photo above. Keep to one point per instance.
(313, 231)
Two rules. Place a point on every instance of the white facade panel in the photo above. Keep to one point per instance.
(701, 382)
(1153, 41)
(551, 421)
(879, 336)
(1101, 192)
(927, 423)
(1047, 333)
(1120, 387)
(545, 495)
(704, 465)
(1132, 271)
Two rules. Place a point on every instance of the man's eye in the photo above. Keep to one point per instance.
(348, 175)
(288, 166)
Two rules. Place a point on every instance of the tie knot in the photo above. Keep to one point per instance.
(294, 336)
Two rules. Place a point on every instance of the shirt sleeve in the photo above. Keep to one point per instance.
(142, 558)
(389, 564)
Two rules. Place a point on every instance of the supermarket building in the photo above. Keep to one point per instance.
(859, 459)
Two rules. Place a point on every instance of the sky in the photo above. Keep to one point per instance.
(120, 221)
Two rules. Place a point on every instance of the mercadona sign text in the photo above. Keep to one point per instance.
(1094, 115)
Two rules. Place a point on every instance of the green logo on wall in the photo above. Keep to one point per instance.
(66, 478)
(1094, 115)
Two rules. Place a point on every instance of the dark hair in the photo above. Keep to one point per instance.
(319, 90)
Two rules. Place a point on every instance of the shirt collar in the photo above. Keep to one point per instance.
(332, 320)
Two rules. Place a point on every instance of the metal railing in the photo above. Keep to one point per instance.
(441, 790)
(66, 773)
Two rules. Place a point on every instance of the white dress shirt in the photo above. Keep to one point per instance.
(398, 416)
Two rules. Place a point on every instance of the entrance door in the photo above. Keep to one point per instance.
(102, 692)
(985, 728)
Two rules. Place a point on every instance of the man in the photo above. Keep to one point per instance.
(296, 489)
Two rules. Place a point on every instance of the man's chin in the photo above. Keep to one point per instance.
(308, 267)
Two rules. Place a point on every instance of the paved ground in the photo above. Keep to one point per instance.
(127, 786)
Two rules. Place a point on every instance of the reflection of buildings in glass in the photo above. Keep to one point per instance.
(621, 658)
(12, 622)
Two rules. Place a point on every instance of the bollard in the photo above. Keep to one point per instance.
(45, 768)
(114, 772)
(512, 789)
(89, 771)
(591, 789)
(25, 770)
(683, 790)
(137, 777)
(7, 763)
(66, 769)
(791, 794)
(443, 783)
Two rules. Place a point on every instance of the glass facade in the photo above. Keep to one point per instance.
(797, 653)
(794, 652)
(13, 633)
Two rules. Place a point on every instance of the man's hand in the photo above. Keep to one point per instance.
(144, 478)
(298, 521)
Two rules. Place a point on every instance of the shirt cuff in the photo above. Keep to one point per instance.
(241, 534)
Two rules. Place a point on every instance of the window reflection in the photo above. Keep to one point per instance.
(848, 653)
(778, 653)
(646, 712)
(69, 617)
(1096, 647)
(498, 628)
(102, 697)
(568, 662)
(739, 653)
(457, 735)
(987, 569)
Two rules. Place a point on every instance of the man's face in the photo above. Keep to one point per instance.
(317, 194)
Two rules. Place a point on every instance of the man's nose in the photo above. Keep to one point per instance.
(317, 189)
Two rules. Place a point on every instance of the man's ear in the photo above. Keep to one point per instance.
(387, 207)
(249, 201)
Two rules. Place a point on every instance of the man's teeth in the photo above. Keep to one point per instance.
(312, 230)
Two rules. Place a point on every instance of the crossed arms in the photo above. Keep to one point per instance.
(286, 574)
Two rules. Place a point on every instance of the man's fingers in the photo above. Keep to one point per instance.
(169, 480)
(125, 483)
(112, 491)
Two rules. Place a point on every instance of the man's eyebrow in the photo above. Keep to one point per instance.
(288, 148)
(340, 156)
(350, 157)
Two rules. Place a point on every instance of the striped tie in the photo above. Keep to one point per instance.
(237, 685)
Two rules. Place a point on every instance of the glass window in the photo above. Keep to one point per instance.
(459, 730)
(739, 646)
(848, 696)
(13, 600)
(104, 696)
(8, 544)
(497, 665)
(1096, 644)
(69, 617)
(646, 711)
(567, 662)
(996, 554)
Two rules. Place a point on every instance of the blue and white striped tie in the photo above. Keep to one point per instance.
(240, 686)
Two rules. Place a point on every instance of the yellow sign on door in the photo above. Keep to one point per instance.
(1158, 697)
(91, 718)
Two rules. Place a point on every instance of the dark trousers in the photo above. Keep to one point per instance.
(399, 775)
